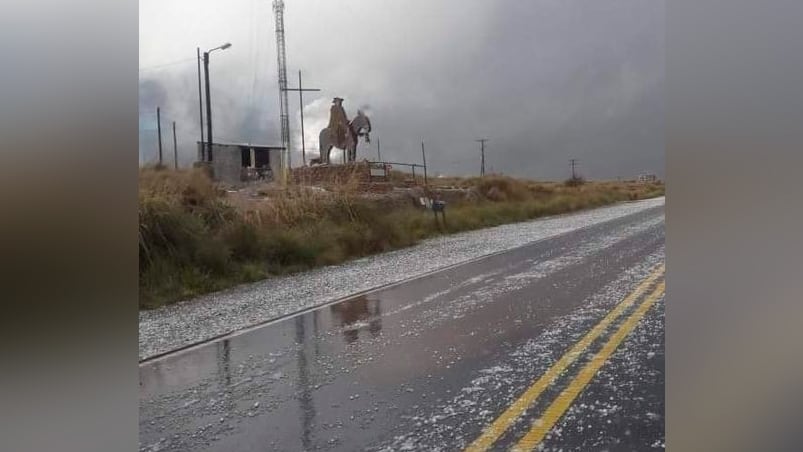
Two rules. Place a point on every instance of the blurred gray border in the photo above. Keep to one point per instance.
(734, 315)
(68, 234)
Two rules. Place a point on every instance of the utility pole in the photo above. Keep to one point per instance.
(209, 100)
(424, 155)
(201, 107)
(208, 110)
(378, 151)
(482, 153)
(574, 164)
(159, 132)
(175, 147)
(301, 109)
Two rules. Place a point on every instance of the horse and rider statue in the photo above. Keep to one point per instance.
(342, 133)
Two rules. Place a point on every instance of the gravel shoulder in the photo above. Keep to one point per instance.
(201, 318)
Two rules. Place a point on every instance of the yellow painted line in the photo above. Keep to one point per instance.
(509, 416)
(561, 403)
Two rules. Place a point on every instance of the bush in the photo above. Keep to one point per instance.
(245, 241)
(574, 182)
(499, 188)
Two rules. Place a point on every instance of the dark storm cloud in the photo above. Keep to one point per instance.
(544, 80)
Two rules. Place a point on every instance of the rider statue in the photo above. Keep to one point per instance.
(338, 122)
(363, 120)
(342, 133)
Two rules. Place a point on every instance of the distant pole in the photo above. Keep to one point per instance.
(201, 107)
(574, 164)
(301, 90)
(482, 155)
(378, 151)
(424, 155)
(159, 132)
(175, 147)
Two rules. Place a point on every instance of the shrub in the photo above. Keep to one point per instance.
(574, 182)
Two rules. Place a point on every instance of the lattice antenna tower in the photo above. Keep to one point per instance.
(278, 10)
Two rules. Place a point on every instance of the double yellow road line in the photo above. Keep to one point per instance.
(559, 406)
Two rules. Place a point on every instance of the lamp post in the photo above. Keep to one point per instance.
(201, 107)
(208, 100)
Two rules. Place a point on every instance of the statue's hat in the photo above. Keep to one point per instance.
(337, 99)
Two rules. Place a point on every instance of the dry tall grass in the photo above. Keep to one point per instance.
(193, 238)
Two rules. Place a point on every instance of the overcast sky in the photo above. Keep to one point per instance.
(544, 81)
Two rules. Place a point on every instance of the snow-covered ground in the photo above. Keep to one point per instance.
(187, 322)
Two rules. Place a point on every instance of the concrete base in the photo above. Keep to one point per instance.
(357, 173)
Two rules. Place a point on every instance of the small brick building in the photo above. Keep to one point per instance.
(237, 163)
(647, 178)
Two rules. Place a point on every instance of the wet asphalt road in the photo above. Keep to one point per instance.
(430, 363)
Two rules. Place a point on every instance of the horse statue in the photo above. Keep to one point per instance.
(342, 133)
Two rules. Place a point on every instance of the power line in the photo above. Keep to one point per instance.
(166, 64)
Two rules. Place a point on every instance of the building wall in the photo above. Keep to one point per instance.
(227, 163)
(276, 163)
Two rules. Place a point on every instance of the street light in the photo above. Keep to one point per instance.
(208, 100)
(201, 108)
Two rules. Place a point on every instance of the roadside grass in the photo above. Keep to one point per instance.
(193, 239)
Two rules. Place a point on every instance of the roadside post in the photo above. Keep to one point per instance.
(439, 206)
